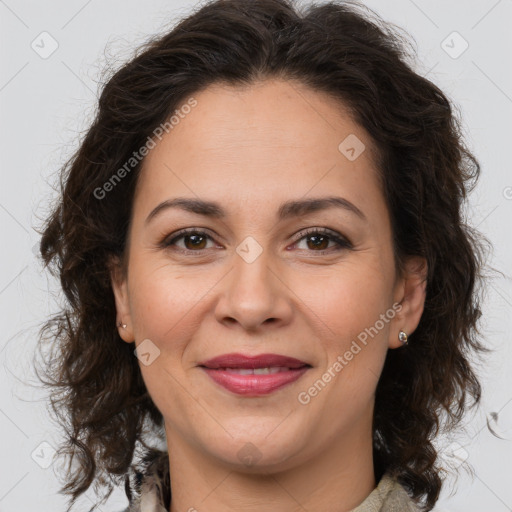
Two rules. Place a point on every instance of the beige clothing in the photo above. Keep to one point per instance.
(388, 496)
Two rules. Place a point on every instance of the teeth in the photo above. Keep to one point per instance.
(256, 371)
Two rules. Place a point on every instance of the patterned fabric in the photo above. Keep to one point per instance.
(148, 490)
(388, 496)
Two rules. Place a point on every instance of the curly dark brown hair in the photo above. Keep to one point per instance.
(426, 172)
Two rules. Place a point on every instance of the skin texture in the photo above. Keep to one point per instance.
(251, 149)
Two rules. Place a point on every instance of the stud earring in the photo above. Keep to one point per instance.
(402, 336)
(120, 324)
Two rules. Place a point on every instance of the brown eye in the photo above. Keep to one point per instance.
(318, 240)
(192, 240)
(196, 241)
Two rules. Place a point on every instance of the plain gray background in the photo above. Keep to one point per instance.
(46, 101)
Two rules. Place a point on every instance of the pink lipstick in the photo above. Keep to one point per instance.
(254, 375)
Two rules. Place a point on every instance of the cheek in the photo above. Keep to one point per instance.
(354, 345)
(352, 335)
(163, 303)
(165, 307)
(169, 309)
(345, 303)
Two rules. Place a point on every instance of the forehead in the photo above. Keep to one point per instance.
(278, 137)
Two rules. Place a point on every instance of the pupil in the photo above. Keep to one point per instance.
(194, 240)
(317, 238)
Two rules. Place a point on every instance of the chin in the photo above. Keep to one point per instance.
(259, 453)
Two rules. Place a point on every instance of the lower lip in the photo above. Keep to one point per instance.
(255, 385)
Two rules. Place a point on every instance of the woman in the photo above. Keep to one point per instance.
(266, 212)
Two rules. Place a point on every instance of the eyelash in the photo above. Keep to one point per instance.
(341, 241)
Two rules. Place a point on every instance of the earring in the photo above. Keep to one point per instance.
(402, 336)
(120, 324)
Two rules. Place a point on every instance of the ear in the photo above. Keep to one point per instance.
(119, 283)
(410, 293)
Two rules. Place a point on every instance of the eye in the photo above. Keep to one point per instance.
(193, 239)
(318, 240)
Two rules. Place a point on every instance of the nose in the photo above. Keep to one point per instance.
(253, 295)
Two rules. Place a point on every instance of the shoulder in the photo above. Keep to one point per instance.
(388, 496)
(399, 500)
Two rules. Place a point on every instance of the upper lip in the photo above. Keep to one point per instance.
(251, 362)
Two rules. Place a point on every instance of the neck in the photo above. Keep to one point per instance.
(339, 478)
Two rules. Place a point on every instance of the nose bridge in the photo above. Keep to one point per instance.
(253, 293)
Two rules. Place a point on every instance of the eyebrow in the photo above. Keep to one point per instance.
(292, 208)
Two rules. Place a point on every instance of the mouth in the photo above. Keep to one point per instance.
(254, 375)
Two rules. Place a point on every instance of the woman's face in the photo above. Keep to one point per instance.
(264, 277)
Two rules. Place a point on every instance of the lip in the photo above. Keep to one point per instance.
(236, 360)
(222, 370)
(255, 385)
